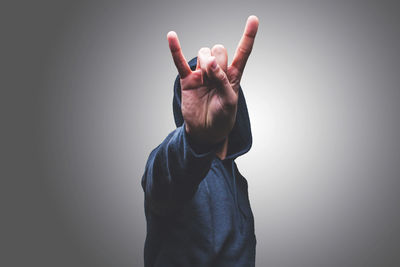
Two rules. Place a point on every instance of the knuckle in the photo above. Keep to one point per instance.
(245, 50)
(204, 50)
(222, 76)
(218, 48)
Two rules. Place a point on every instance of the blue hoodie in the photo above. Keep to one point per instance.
(196, 205)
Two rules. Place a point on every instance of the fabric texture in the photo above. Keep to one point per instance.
(196, 205)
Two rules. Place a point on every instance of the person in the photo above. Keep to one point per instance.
(195, 200)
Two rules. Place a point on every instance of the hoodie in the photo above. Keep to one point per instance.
(196, 205)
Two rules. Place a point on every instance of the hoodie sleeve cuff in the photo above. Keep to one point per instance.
(199, 149)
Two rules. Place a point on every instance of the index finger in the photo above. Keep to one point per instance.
(245, 44)
(176, 51)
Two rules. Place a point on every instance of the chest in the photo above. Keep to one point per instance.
(221, 202)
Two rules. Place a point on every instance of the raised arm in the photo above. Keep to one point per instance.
(173, 171)
(209, 104)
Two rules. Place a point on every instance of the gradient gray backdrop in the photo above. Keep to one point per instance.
(89, 95)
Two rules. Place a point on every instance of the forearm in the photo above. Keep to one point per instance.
(174, 170)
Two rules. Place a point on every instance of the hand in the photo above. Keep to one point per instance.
(210, 93)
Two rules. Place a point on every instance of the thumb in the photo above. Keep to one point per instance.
(215, 72)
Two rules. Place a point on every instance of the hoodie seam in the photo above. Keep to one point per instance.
(212, 218)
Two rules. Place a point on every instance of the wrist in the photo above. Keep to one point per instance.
(199, 143)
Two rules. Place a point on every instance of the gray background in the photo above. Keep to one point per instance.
(87, 93)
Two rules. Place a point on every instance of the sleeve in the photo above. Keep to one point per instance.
(174, 170)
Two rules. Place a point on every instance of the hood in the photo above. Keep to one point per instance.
(240, 139)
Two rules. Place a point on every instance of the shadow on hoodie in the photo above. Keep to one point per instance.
(196, 205)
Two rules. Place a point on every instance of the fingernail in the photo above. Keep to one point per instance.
(214, 64)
